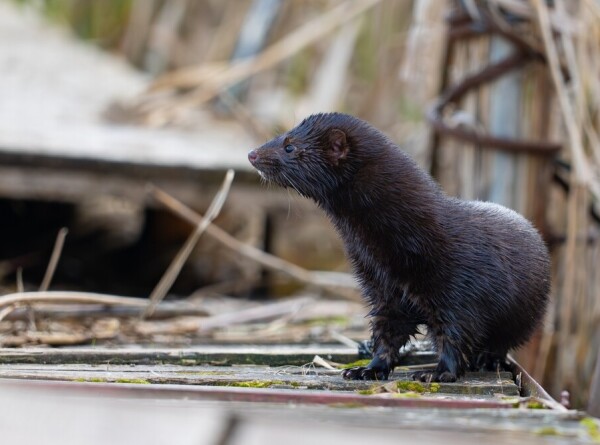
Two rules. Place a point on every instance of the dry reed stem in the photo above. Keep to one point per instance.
(187, 77)
(13, 301)
(573, 129)
(320, 361)
(520, 8)
(239, 70)
(253, 314)
(20, 284)
(575, 112)
(323, 279)
(172, 272)
(54, 258)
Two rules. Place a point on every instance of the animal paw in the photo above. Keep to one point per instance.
(366, 373)
(434, 376)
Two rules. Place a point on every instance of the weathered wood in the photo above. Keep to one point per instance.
(474, 385)
(70, 132)
(98, 414)
(215, 355)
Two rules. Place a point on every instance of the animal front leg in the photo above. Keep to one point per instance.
(389, 334)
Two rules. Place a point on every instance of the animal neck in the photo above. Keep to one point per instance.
(390, 204)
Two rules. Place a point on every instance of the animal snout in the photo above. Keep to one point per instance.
(252, 156)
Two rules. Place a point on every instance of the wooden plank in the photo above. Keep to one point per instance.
(221, 355)
(91, 413)
(215, 355)
(473, 385)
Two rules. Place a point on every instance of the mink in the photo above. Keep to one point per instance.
(475, 273)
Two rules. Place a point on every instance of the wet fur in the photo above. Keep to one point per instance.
(476, 273)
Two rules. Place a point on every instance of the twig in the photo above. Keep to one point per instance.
(320, 361)
(261, 312)
(20, 285)
(56, 251)
(317, 278)
(13, 301)
(8, 309)
(28, 308)
(174, 268)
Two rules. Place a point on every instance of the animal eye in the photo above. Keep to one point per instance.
(289, 148)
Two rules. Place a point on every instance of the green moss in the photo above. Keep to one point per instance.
(417, 387)
(346, 405)
(535, 405)
(91, 380)
(407, 395)
(294, 384)
(355, 364)
(255, 383)
(592, 427)
(407, 386)
(366, 392)
(133, 381)
(547, 431)
(104, 380)
(434, 387)
(512, 400)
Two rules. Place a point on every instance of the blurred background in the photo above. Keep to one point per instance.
(498, 99)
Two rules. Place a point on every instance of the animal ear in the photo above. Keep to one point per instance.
(338, 144)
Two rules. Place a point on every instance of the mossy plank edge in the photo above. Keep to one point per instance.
(228, 376)
(507, 388)
(212, 356)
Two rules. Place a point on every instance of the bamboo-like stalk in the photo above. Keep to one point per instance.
(568, 111)
(169, 277)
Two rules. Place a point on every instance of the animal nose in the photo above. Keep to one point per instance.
(252, 156)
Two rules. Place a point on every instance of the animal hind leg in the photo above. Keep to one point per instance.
(390, 332)
(490, 362)
(453, 359)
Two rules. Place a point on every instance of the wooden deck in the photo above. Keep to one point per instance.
(248, 395)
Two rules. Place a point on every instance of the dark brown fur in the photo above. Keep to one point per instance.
(477, 274)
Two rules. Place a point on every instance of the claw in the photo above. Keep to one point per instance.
(366, 373)
(434, 376)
